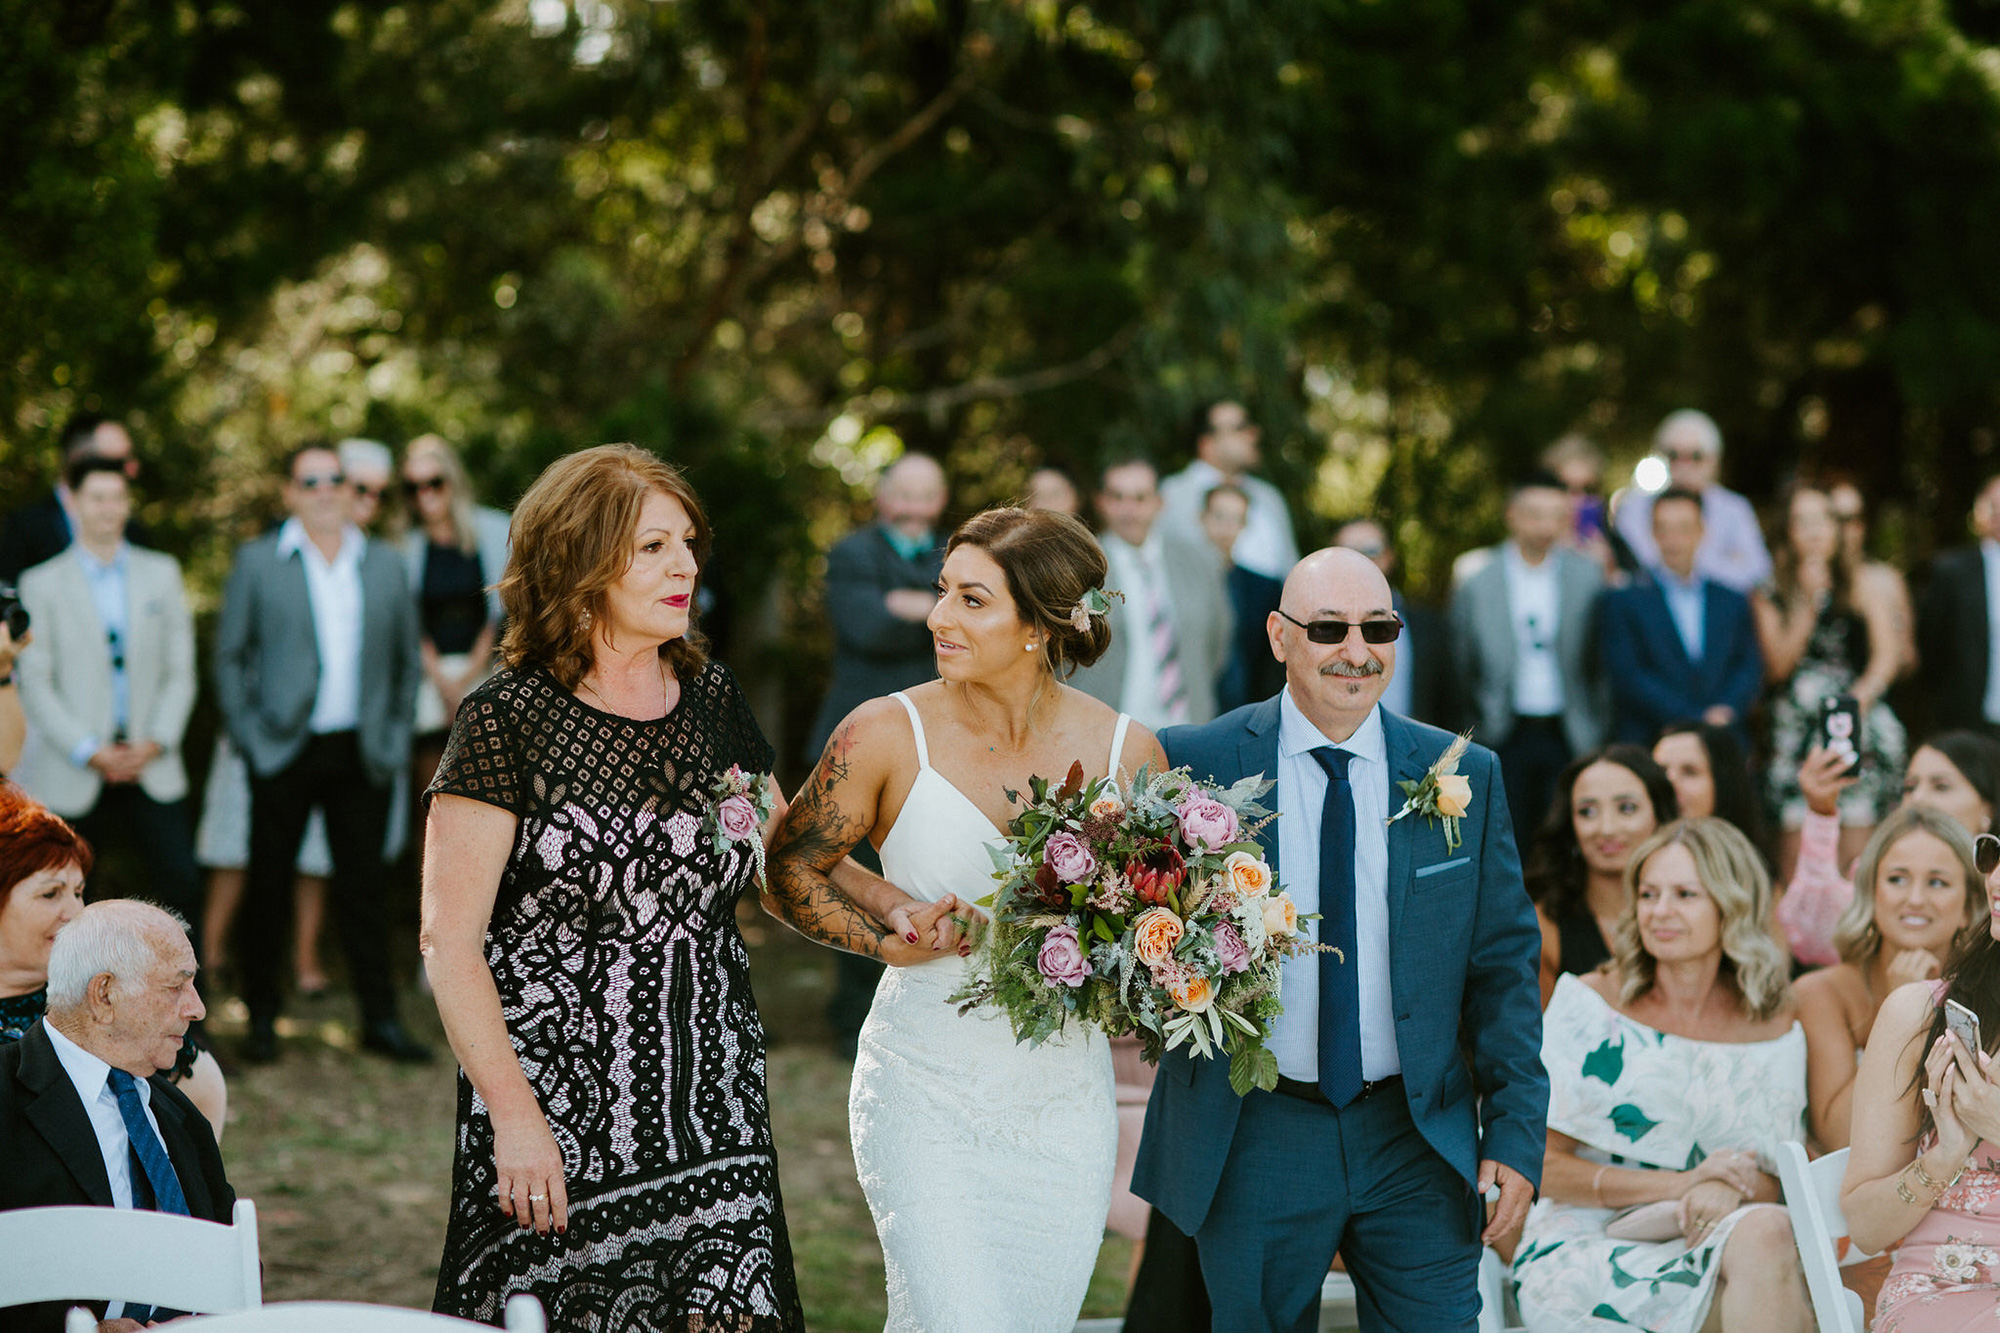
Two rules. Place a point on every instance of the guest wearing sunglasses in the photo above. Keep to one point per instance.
(1521, 631)
(370, 469)
(1732, 551)
(454, 553)
(1678, 644)
(316, 672)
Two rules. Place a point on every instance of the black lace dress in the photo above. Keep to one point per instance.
(626, 990)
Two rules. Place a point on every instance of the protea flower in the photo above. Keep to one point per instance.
(1157, 874)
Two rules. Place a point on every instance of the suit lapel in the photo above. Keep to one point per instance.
(1654, 599)
(1257, 752)
(181, 1152)
(58, 1116)
(1406, 764)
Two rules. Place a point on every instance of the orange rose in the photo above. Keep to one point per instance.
(1248, 876)
(1107, 805)
(1454, 795)
(1281, 916)
(1192, 993)
(1155, 934)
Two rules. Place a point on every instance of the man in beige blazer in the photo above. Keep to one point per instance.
(107, 684)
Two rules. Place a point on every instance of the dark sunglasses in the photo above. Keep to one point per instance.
(367, 492)
(415, 488)
(1986, 853)
(1683, 455)
(313, 481)
(1335, 631)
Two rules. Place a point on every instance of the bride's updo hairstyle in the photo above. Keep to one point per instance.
(1051, 561)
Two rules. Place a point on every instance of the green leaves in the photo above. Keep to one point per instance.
(1252, 1066)
(1606, 1063)
(1630, 1121)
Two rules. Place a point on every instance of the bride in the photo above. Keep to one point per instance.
(987, 1164)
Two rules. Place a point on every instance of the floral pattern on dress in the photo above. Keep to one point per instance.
(1634, 1096)
(1839, 639)
(1946, 1276)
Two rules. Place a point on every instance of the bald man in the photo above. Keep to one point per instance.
(1410, 1080)
(880, 588)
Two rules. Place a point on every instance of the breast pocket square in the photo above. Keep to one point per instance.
(1441, 867)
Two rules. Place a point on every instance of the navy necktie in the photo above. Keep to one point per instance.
(154, 1185)
(1339, 988)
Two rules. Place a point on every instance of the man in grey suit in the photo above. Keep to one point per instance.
(1170, 636)
(316, 670)
(108, 684)
(1523, 636)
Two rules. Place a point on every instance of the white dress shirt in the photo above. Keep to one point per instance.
(1139, 572)
(1732, 550)
(110, 582)
(1687, 604)
(334, 588)
(1536, 604)
(92, 1079)
(1301, 795)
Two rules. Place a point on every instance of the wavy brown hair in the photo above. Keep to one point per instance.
(572, 539)
(1734, 875)
(1856, 936)
(1050, 561)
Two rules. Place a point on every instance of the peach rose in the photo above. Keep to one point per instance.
(1281, 916)
(1155, 934)
(1248, 876)
(1107, 804)
(1192, 993)
(1454, 795)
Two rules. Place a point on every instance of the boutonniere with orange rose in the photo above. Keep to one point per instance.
(1443, 793)
(1145, 909)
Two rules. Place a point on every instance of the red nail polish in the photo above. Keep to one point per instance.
(911, 937)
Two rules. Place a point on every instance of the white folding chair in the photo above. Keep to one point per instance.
(524, 1315)
(132, 1254)
(1812, 1196)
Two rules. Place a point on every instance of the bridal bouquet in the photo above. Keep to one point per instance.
(1142, 910)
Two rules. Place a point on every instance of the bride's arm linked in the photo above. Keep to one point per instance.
(812, 885)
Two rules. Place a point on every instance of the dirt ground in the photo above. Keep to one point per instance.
(348, 1157)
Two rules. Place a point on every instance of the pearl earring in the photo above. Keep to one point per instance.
(583, 622)
(1027, 647)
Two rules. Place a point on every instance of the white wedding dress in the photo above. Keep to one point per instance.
(987, 1164)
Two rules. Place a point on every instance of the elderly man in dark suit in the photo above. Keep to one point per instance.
(1410, 1078)
(880, 588)
(86, 1116)
(316, 670)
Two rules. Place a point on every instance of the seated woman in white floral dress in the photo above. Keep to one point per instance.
(1674, 1074)
(1923, 1174)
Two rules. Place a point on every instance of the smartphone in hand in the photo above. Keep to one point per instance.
(1962, 1023)
(1840, 728)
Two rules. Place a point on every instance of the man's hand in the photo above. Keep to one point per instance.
(911, 604)
(119, 1326)
(1719, 715)
(1515, 1196)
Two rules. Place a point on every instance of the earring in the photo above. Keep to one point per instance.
(1027, 647)
(583, 622)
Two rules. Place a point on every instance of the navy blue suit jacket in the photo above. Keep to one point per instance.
(1652, 680)
(1464, 954)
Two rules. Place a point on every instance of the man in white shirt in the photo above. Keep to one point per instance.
(1523, 637)
(1170, 635)
(86, 1116)
(108, 685)
(1732, 545)
(316, 670)
(1225, 449)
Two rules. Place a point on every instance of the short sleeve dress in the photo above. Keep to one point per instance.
(625, 986)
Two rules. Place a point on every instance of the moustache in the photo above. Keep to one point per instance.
(1350, 671)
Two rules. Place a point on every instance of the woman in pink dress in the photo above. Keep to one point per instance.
(1924, 1170)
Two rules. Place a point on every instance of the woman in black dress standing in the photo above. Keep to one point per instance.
(614, 1146)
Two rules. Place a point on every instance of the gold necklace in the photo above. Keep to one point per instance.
(609, 707)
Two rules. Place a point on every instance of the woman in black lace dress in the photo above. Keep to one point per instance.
(614, 1144)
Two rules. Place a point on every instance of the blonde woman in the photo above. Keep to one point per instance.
(453, 554)
(1674, 1074)
(1916, 891)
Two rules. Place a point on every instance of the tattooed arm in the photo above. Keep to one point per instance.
(821, 894)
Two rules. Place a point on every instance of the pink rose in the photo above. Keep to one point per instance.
(1207, 823)
(1065, 854)
(737, 817)
(1061, 961)
(1230, 950)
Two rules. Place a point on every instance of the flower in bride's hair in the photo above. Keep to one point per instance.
(1069, 858)
(1155, 934)
(1062, 961)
